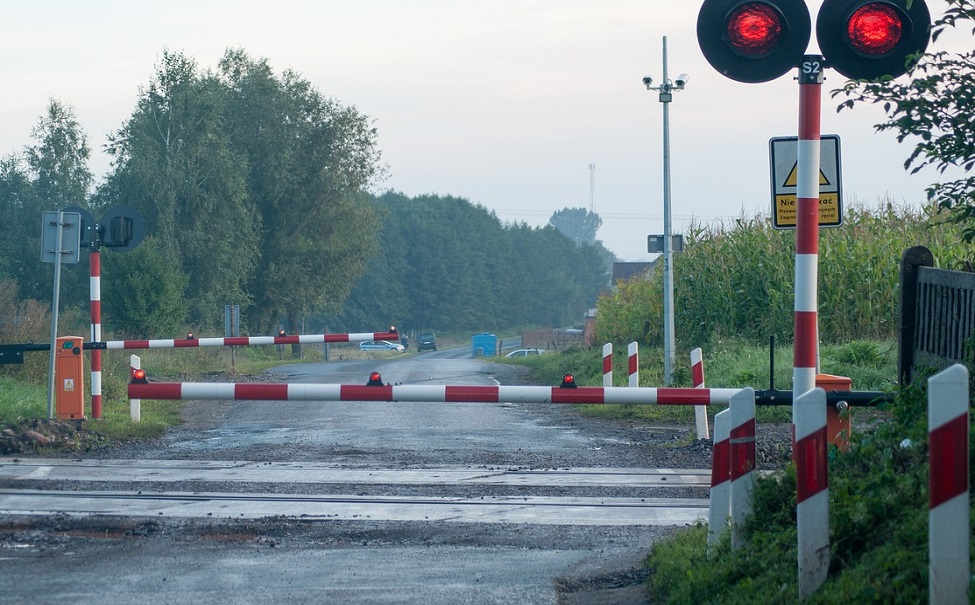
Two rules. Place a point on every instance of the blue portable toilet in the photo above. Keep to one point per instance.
(484, 345)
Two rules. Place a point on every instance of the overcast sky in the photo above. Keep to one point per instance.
(506, 103)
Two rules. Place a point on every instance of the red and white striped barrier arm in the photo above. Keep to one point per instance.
(700, 413)
(812, 489)
(95, 289)
(633, 354)
(948, 515)
(719, 508)
(608, 364)
(741, 446)
(244, 341)
(433, 393)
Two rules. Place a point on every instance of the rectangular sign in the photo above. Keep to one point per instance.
(655, 243)
(69, 248)
(784, 158)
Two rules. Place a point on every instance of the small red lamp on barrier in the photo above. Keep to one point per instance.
(139, 377)
(568, 382)
(375, 380)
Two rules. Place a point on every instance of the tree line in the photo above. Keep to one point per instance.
(254, 191)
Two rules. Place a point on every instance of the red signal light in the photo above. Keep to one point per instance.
(754, 29)
(874, 29)
(753, 40)
(139, 376)
(375, 380)
(568, 382)
(872, 39)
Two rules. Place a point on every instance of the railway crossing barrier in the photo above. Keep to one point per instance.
(14, 354)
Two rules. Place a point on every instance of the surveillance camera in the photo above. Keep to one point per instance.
(647, 81)
(681, 80)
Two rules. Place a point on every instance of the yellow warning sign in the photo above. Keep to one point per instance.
(784, 165)
(793, 179)
(829, 210)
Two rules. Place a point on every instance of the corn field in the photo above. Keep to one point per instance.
(737, 280)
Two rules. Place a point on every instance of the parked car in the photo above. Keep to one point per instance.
(426, 341)
(381, 345)
(525, 352)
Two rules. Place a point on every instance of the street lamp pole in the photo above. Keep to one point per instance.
(666, 90)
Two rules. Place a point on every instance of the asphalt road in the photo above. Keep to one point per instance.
(371, 502)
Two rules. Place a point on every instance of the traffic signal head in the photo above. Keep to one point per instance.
(869, 39)
(753, 40)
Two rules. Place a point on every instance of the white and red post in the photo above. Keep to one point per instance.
(608, 364)
(700, 413)
(135, 405)
(809, 412)
(633, 355)
(948, 517)
(719, 508)
(95, 287)
(741, 448)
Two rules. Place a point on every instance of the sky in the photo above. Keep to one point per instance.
(523, 107)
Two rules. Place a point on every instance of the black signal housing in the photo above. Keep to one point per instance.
(872, 39)
(753, 40)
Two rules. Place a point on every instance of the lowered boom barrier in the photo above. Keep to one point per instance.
(14, 353)
(473, 393)
(429, 393)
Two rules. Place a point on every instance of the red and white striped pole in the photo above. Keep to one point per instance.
(809, 413)
(720, 496)
(700, 413)
(949, 530)
(633, 354)
(741, 448)
(229, 391)
(608, 364)
(242, 341)
(95, 287)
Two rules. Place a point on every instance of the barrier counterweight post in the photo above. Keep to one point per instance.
(700, 412)
(633, 355)
(608, 364)
(720, 496)
(741, 446)
(948, 516)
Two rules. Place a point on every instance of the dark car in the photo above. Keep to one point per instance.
(426, 341)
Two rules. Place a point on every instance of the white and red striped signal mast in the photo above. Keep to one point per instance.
(758, 41)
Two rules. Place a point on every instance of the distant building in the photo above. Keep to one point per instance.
(627, 271)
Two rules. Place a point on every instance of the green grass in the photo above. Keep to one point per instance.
(21, 400)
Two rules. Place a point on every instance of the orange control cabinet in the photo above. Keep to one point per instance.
(69, 378)
(839, 426)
